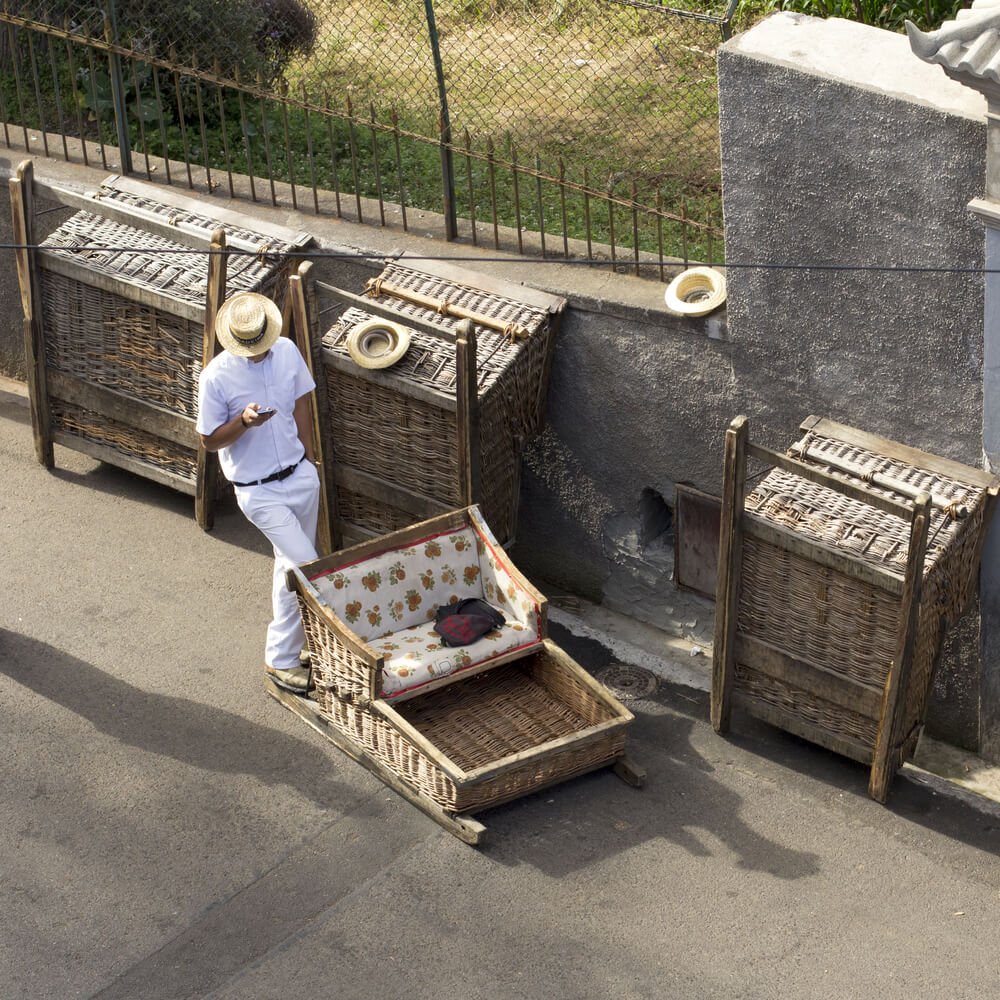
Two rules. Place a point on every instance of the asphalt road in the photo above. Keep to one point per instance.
(172, 832)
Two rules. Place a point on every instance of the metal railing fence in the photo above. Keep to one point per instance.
(575, 128)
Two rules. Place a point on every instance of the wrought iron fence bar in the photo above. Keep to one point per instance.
(399, 168)
(225, 139)
(246, 143)
(312, 160)
(77, 104)
(333, 157)
(96, 107)
(182, 122)
(16, 63)
(491, 164)
(352, 142)
(611, 232)
(635, 231)
(378, 168)
(265, 132)
(162, 123)
(118, 89)
(659, 231)
(33, 63)
(586, 211)
(203, 133)
(471, 186)
(562, 207)
(57, 90)
(138, 116)
(541, 209)
(517, 196)
(288, 153)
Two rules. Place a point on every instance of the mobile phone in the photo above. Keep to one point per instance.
(266, 411)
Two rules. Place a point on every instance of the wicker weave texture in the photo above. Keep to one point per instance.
(482, 719)
(827, 618)
(125, 440)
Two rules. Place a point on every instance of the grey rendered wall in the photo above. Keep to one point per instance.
(840, 147)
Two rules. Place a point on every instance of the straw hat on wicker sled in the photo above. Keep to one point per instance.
(248, 324)
(377, 343)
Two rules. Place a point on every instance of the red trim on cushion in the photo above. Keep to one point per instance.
(461, 670)
(486, 542)
(399, 548)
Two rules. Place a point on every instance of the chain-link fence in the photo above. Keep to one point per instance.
(578, 127)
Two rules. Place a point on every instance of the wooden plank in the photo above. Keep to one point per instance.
(459, 275)
(369, 485)
(825, 555)
(884, 764)
(452, 521)
(465, 828)
(900, 452)
(63, 263)
(730, 559)
(822, 478)
(467, 414)
(215, 293)
(440, 682)
(386, 379)
(512, 762)
(855, 696)
(697, 519)
(197, 206)
(143, 416)
(791, 723)
(302, 323)
(630, 772)
(541, 400)
(22, 214)
(105, 453)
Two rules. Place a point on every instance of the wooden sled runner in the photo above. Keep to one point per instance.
(453, 730)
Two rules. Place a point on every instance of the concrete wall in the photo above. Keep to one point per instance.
(840, 147)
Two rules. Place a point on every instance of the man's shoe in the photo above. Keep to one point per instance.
(304, 657)
(297, 679)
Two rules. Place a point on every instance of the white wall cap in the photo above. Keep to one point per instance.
(858, 55)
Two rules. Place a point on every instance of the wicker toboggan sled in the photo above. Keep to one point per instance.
(453, 730)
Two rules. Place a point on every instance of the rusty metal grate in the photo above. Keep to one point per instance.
(627, 682)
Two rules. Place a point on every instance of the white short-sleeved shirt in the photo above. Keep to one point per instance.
(229, 383)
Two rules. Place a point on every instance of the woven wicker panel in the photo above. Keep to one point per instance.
(479, 720)
(805, 705)
(126, 440)
(147, 260)
(108, 340)
(370, 512)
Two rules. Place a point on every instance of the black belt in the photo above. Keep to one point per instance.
(275, 477)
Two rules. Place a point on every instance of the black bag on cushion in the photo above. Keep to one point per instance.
(464, 622)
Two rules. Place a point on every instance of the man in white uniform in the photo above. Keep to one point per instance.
(254, 410)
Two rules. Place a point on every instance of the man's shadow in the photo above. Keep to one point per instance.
(195, 734)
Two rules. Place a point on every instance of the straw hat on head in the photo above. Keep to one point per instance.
(248, 324)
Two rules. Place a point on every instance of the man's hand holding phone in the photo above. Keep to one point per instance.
(254, 415)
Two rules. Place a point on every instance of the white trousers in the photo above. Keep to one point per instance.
(286, 512)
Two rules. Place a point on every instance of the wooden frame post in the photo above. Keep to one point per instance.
(730, 562)
(885, 759)
(22, 216)
(301, 292)
(206, 481)
(467, 413)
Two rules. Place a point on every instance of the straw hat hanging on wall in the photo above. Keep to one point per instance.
(377, 343)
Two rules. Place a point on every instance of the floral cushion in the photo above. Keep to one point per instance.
(403, 587)
(389, 601)
(416, 655)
